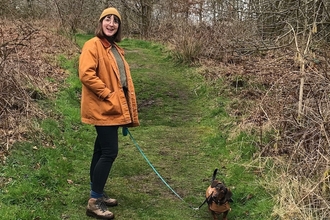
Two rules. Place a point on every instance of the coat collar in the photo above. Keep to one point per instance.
(107, 45)
(105, 42)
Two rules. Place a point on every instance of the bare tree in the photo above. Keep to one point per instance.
(70, 13)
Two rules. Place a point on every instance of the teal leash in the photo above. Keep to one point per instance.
(125, 131)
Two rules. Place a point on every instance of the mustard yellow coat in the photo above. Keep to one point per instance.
(103, 100)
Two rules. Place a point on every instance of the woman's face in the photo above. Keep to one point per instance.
(110, 25)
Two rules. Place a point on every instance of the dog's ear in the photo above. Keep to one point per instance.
(214, 183)
(228, 195)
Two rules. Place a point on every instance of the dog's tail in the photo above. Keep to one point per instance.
(207, 198)
(214, 174)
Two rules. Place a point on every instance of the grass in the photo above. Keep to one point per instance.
(184, 133)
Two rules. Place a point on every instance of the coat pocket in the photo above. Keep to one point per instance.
(112, 105)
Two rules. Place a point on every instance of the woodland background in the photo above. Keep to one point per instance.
(275, 52)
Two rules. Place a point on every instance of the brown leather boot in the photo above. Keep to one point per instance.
(96, 208)
(109, 201)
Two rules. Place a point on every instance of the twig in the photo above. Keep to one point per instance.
(323, 179)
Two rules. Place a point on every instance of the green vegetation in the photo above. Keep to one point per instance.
(184, 132)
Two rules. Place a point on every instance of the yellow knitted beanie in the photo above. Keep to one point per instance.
(110, 11)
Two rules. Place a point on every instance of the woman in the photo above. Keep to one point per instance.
(108, 102)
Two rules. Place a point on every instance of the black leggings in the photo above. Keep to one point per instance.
(105, 153)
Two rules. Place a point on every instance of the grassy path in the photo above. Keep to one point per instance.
(182, 133)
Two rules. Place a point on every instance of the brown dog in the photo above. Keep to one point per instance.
(218, 197)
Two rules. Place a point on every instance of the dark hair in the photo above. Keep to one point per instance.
(99, 31)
